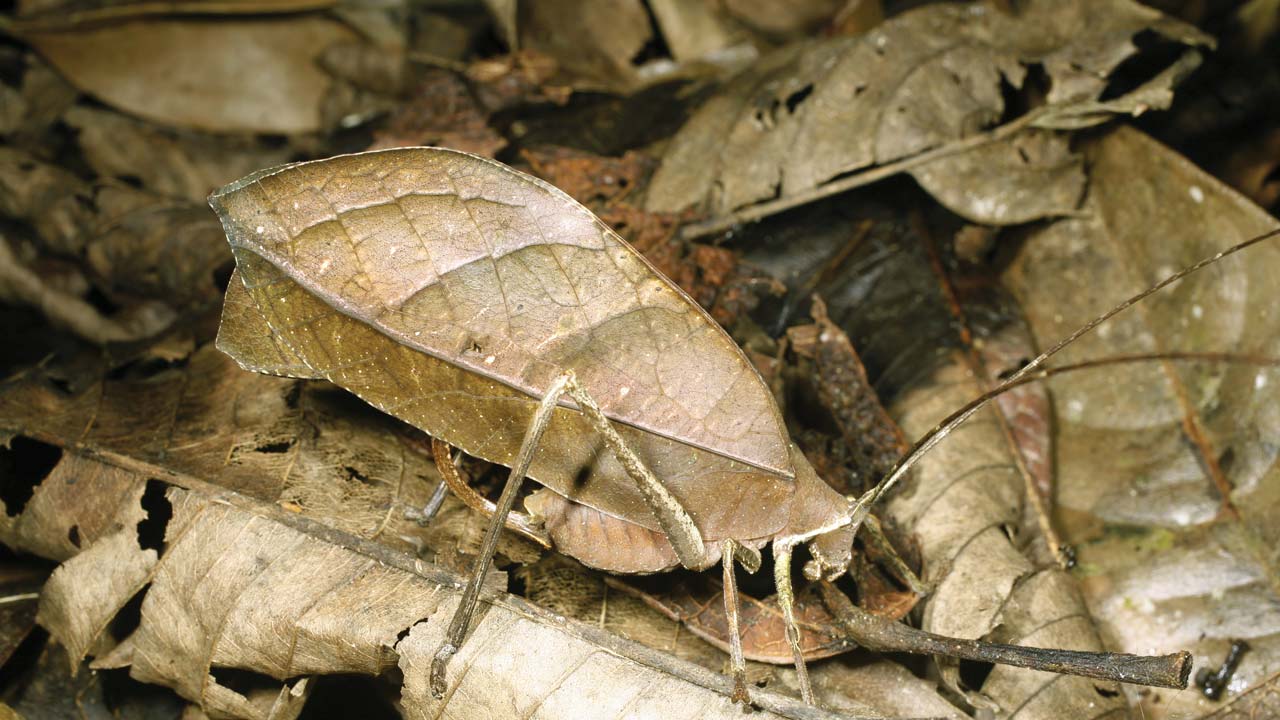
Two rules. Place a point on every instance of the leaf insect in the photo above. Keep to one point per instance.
(501, 317)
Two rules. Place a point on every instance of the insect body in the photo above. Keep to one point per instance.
(498, 315)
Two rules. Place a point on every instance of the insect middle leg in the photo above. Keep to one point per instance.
(732, 552)
(786, 601)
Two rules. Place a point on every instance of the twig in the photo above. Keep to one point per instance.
(881, 635)
(759, 211)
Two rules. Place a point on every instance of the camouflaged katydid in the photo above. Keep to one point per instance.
(499, 316)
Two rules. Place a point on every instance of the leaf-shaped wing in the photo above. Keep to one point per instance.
(450, 290)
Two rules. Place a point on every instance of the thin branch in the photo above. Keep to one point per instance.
(881, 635)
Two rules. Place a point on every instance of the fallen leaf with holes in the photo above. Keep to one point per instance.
(1167, 471)
(932, 76)
(334, 574)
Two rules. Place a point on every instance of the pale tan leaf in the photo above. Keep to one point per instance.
(965, 505)
(222, 75)
(84, 593)
(1167, 471)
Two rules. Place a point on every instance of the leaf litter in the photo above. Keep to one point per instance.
(105, 219)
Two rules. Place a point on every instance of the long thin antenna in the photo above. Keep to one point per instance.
(1033, 371)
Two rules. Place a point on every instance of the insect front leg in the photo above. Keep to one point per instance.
(466, 608)
(676, 522)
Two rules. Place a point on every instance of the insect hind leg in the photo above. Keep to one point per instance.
(461, 620)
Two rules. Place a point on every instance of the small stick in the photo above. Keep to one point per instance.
(882, 635)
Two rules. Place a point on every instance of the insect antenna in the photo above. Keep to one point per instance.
(1034, 372)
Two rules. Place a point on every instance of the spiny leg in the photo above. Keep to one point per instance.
(676, 522)
(518, 522)
(786, 601)
(462, 615)
(731, 606)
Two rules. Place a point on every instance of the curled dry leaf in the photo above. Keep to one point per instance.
(221, 75)
(932, 76)
(1167, 472)
(874, 440)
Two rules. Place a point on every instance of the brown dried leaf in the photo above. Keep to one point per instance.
(696, 30)
(459, 278)
(965, 506)
(1167, 472)
(257, 586)
(222, 75)
(523, 77)
(784, 18)
(932, 76)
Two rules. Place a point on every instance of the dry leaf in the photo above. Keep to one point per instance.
(595, 43)
(221, 75)
(932, 76)
(783, 18)
(965, 506)
(1167, 472)
(178, 164)
(243, 584)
